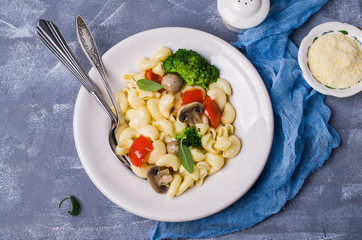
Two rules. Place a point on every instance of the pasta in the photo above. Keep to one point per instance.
(149, 131)
(187, 182)
(230, 128)
(208, 143)
(152, 105)
(119, 130)
(144, 95)
(144, 63)
(219, 96)
(162, 53)
(234, 148)
(228, 115)
(167, 138)
(169, 160)
(158, 69)
(165, 105)
(202, 128)
(215, 161)
(179, 126)
(138, 117)
(197, 155)
(123, 146)
(174, 186)
(194, 175)
(222, 140)
(223, 84)
(141, 171)
(133, 99)
(165, 126)
(159, 149)
(154, 115)
(121, 99)
(128, 133)
(203, 169)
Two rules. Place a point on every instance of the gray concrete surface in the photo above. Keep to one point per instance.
(38, 161)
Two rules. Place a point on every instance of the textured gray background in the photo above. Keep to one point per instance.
(38, 160)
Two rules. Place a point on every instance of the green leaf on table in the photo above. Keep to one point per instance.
(185, 157)
(75, 205)
(148, 85)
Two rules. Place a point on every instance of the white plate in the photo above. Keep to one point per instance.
(253, 124)
(347, 29)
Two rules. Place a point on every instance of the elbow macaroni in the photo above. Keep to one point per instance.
(228, 115)
(165, 104)
(219, 96)
(159, 149)
(215, 161)
(169, 160)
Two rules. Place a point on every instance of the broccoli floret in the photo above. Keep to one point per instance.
(189, 136)
(192, 68)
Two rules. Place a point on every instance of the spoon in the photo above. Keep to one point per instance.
(52, 38)
(90, 49)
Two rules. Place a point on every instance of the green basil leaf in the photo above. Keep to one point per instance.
(186, 157)
(148, 85)
(75, 206)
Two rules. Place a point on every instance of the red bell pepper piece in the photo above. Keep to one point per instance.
(150, 75)
(192, 95)
(212, 111)
(140, 147)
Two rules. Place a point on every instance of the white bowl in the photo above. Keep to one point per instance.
(316, 32)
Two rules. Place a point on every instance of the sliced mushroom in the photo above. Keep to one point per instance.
(172, 147)
(191, 113)
(159, 179)
(172, 83)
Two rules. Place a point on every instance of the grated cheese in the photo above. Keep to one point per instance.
(335, 60)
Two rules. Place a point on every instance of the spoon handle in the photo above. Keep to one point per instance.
(89, 47)
(51, 37)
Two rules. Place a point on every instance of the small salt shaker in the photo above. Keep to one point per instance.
(239, 15)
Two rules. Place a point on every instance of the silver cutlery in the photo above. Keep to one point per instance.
(51, 37)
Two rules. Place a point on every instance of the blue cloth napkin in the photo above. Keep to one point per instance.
(303, 139)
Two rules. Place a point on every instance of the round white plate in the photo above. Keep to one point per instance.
(253, 125)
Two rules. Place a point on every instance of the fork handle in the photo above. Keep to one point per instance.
(52, 38)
